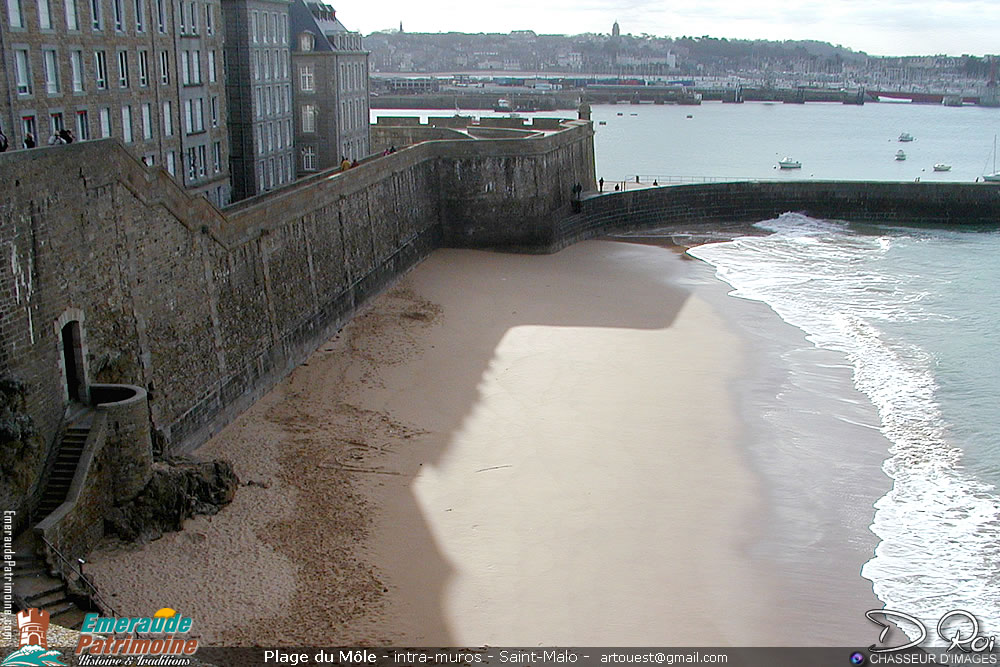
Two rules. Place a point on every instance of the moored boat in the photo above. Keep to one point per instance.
(789, 163)
(900, 155)
(941, 166)
(906, 136)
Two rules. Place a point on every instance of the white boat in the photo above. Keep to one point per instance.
(993, 177)
(941, 166)
(900, 155)
(906, 136)
(789, 163)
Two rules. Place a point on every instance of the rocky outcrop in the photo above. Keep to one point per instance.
(180, 488)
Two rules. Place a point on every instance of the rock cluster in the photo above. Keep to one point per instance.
(180, 488)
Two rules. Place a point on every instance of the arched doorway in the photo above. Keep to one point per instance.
(72, 351)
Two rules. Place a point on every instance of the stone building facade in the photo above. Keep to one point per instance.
(259, 92)
(147, 72)
(330, 91)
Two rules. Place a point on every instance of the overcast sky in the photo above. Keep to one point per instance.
(878, 27)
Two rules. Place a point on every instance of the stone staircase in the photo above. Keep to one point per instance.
(34, 587)
(65, 467)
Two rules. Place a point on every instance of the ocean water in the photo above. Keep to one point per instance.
(914, 312)
(832, 141)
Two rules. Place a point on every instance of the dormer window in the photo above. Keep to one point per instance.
(306, 42)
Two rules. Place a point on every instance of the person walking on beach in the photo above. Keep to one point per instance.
(600, 184)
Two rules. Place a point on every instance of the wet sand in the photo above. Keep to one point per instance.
(502, 450)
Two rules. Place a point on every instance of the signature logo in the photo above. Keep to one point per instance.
(958, 627)
(32, 641)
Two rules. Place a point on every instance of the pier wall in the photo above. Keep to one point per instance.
(931, 204)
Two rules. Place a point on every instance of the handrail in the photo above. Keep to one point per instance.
(96, 595)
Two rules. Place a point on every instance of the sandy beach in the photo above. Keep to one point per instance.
(502, 450)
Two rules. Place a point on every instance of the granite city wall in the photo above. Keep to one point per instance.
(206, 309)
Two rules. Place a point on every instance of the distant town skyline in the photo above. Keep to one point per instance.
(885, 27)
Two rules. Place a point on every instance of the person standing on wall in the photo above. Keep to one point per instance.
(3, 141)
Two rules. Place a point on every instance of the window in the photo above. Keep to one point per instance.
(215, 111)
(15, 15)
(256, 65)
(127, 124)
(267, 65)
(82, 126)
(209, 19)
(267, 101)
(195, 63)
(260, 140)
(272, 34)
(284, 64)
(44, 17)
(172, 163)
(202, 161)
(192, 164)
(116, 5)
(165, 68)
(51, 72)
(140, 16)
(211, 67)
(217, 156)
(147, 121)
(76, 70)
(56, 123)
(253, 26)
(144, 68)
(194, 115)
(123, 69)
(193, 15)
(161, 16)
(105, 117)
(101, 69)
(258, 102)
(309, 158)
(270, 173)
(185, 68)
(283, 33)
(308, 118)
(22, 71)
(95, 14)
(28, 127)
(306, 78)
(72, 22)
(183, 22)
(270, 137)
(168, 119)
